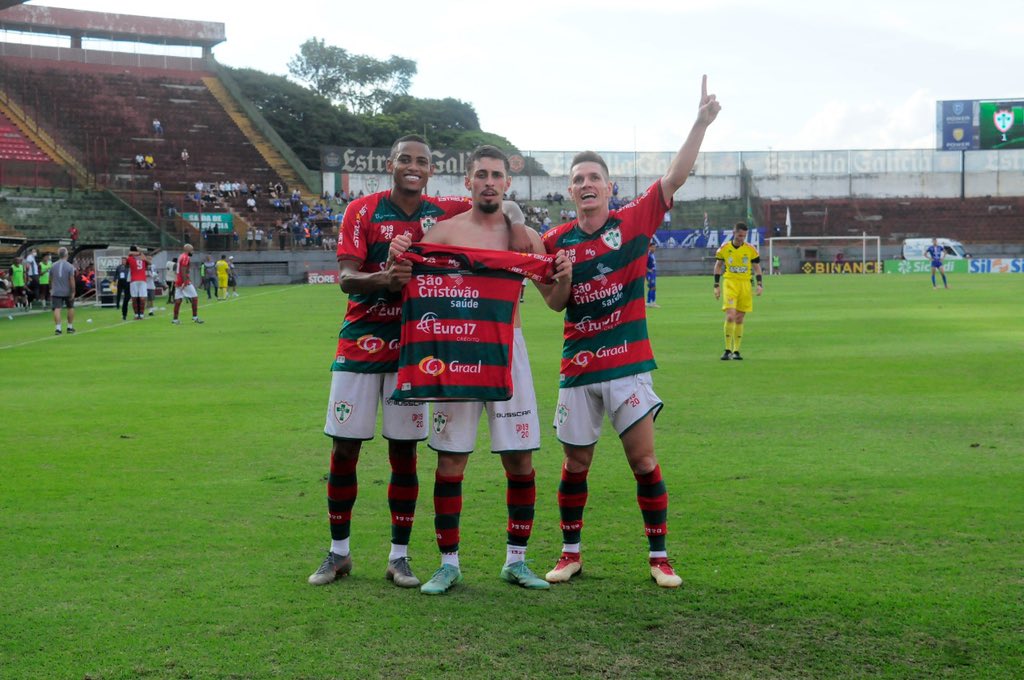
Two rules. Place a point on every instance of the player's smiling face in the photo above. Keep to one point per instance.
(411, 167)
(488, 183)
(588, 186)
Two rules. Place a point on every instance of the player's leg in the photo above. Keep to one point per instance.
(71, 314)
(729, 298)
(744, 304)
(56, 315)
(737, 335)
(521, 500)
(195, 307)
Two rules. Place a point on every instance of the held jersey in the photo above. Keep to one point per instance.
(184, 262)
(935, 252)
(136, 268)
(738, 261)
(605, 331)
(457, 327)
(368, 340)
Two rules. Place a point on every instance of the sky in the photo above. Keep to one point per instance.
(625, 75)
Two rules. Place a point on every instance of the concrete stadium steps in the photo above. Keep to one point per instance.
(273, 158)
(971, 220)
(47, 213)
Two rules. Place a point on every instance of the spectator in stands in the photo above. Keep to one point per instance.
(73, 233)
(259, 238)
(250, 236)
(140, 161)
(251, 204)
(184, 156)
(170, 272)
(158, 189)
(62, 286)
(666, 223)
(158, 129)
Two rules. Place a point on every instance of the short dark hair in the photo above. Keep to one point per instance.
(407, 138)
(486, 151)
(589, 157)
(740, 226)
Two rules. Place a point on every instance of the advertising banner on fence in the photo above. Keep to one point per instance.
(217, 223)
(703, 238)
(923, 266)
(997, 265)
(322, 276)
(869, 267)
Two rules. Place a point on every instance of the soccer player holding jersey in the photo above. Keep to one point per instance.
(366, 361)
(936, 252)
(735, 260)
(606, 355)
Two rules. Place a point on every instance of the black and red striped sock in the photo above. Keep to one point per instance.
(403, 490)
(652, 497)
(521, 498)
(342, 489)
(447, 511)
(572, 500)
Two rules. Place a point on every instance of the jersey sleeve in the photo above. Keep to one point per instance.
(720, 253)
(450, 205)
(648, 209)
(352, 235)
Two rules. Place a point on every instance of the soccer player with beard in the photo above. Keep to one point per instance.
(606, 356)
(366, 361)
(513, 425)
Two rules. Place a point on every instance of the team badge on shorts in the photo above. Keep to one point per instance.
(612, 238)
(562, 413)
(342, 410)
(440, 421)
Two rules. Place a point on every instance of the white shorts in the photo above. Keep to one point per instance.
(514, 424)
(352, 408)
(581, 409)
(188, 291)
(138, 288)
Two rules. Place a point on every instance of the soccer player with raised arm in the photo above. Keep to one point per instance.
(606, 356)
(363, 374)
(735, 260)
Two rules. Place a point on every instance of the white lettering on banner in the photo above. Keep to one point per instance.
(459, 367)
(322, 277)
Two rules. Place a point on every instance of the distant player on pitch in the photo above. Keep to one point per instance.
(735, 260)
(936, 253)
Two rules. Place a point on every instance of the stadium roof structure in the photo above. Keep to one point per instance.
(78, 24)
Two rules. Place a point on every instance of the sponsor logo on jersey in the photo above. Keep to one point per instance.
(440, 421)
(431, 365)
(342, 410)
(370, 344)
(583, 358)
(602, 273)
(426, 322)
(612, 238)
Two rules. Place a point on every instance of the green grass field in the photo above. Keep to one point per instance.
(847, 502)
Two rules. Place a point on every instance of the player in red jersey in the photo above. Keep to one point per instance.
(137, 266)
(606, 356)
(366, 361)
(183, 288)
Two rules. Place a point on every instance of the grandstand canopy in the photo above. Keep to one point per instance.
(78, 24)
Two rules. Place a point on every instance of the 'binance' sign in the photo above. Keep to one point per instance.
(869, 267)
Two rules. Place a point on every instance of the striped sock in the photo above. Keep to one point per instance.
(572, 500)
(447, 511)
(403, 490)
(652, 497)
(341, 495)
(520, 497)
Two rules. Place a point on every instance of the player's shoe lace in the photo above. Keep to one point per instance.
(399, 571)
(519, 573)
(333, 566)
(663, 573)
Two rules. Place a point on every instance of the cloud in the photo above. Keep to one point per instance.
(878, 124)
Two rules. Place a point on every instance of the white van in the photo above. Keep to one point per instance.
(913, 249)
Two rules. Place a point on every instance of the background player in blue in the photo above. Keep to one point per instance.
(936, 252)
(652, 275)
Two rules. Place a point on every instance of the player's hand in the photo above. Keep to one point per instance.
(709, 106)
(760, 289)
(562, 268)
(398, 274)
(399, 245)
(718, 292)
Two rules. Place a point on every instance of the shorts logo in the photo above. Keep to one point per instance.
(417, 420)
(440, 421)
(431, 365)
(342, 410)
(523, 430)
(612, 238)
(562, 413)
(370, 344)
(633, 400)
(583, 358)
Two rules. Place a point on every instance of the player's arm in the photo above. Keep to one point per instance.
(393, 276)
(719, 266)
(556, 294)
(519, 234)
(757, 277)
(682, 163)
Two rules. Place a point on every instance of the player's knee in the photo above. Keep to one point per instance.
(345, 450)
(644, 464)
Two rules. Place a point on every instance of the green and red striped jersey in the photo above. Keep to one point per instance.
(605, 331)
(368, 340)
(457, 316)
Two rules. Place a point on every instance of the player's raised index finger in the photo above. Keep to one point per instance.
(704, 87)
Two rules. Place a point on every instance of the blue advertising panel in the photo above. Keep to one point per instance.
(956, 125)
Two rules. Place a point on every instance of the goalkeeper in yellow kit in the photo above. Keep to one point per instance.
(736, 259)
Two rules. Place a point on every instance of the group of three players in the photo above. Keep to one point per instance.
(598, 266)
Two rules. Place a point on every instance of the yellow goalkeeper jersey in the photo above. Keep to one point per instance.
(738, 261)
